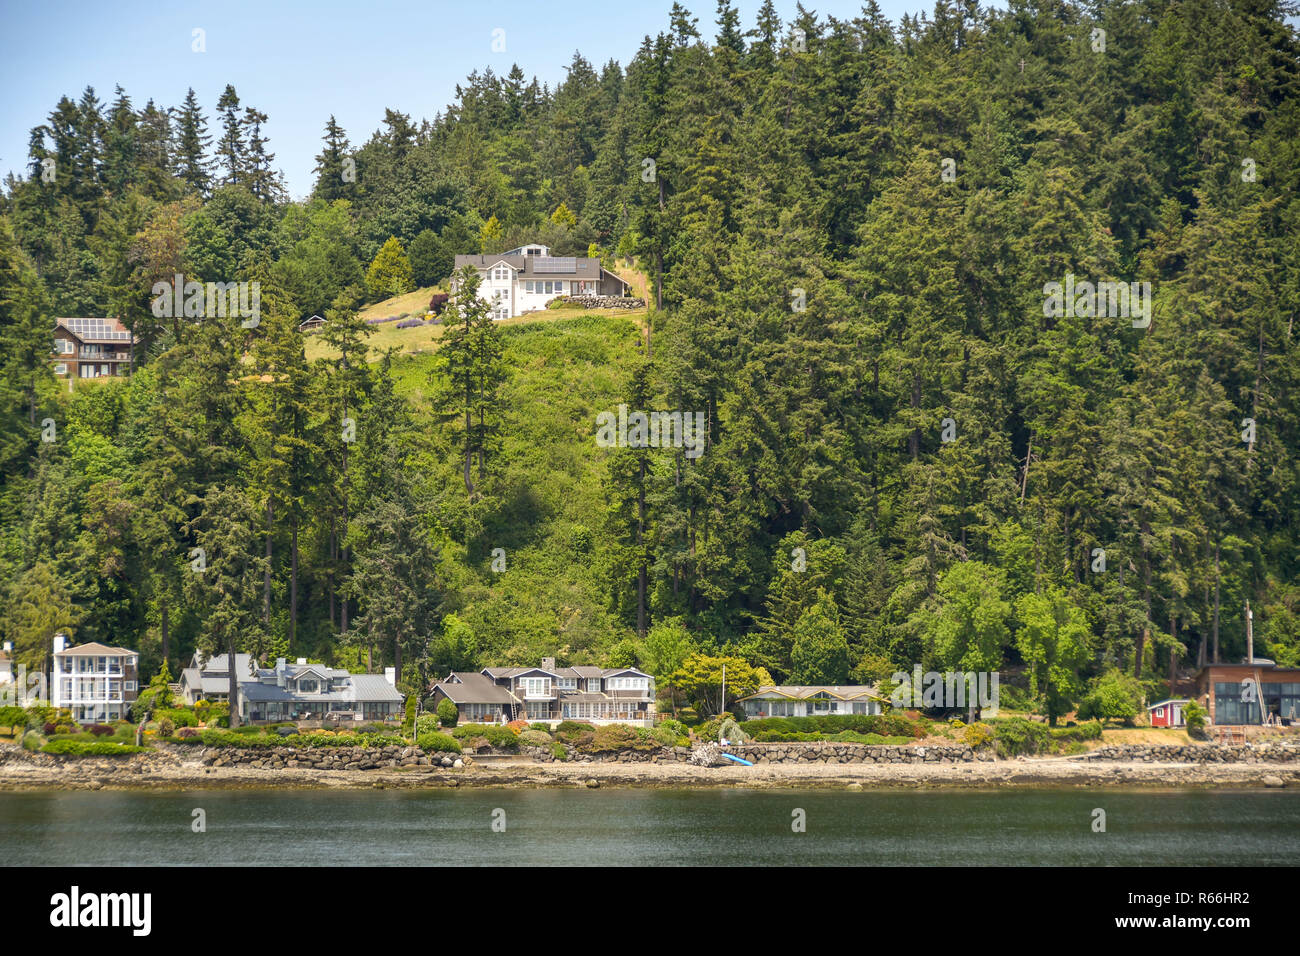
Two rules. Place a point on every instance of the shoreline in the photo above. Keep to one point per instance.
(169, 772)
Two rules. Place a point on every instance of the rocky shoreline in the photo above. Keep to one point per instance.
(1245, 766)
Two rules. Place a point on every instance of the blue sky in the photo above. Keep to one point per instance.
(301, 61)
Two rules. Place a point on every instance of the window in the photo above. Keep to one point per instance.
(536, 686)
(308, 686)
(566, 683)
(61, 368)
(593, 685)
(129, 686)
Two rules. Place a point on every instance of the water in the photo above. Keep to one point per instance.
(651, 827)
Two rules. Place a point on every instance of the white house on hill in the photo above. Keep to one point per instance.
(525, 279)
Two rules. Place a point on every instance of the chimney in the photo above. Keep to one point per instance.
(60, 642)
(302, 662)
(548, 663)
(279, 671)
(390, 675)
(9, 647)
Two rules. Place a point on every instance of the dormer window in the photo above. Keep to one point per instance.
(308, 686)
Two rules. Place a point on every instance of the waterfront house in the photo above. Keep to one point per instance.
(6, 664)
(95, 682)
(525, 279)
(1168, 713)
(1254, 692)
(208, 678)
(91, 348)
(298, 691)
(305, 691)
(800, 700)
(550, 694)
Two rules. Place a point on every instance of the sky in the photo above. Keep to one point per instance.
(301, 61)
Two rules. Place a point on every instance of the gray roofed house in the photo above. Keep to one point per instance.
(525, 279)
(298, 691)
(806, 700)
(550, 694)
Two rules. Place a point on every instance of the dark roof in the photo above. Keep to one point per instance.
(95, 329)
(474, 689)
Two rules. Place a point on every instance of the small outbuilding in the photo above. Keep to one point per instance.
(1168, 713)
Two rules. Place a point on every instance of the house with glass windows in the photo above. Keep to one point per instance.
(91, 348)
(1253, 692)
(297, 692)
(550, 694)
(97, 683)
(799, 700)
(525, 279)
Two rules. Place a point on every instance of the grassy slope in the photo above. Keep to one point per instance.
(564, 368)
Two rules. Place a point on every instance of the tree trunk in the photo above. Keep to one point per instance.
(166, 630)
(1215, 632)
(266, 572)
(293, 585)
(234, 681)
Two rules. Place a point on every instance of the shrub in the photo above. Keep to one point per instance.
(887, 725)
(536, 738)
(678, 728)
(437, 743)
(977, 736)
(165, 727)
(1017, 736)
(447, 712)
(570, 730)
(179, 716)
(13, 717)
(187, 733)
(100, 730)
(90, 748)
(1078, 733)
(502, 738)
(49, 729)
(426, 723)
(65, 729)
(33, 741)
(615, 737)
(124, 731)
(1195, 715)
(559, 751)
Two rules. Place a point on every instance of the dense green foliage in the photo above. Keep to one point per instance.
(908, 458)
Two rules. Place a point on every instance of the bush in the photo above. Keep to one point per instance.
(570, 730)
(13, 717)
(501, 738)
(544, 728)
(615, 737)
(100, 730)
(559, 751)
(977, 736)
(1017, 736)
(90, 748)
(535, 738)
(886, 725)
(188, 733)
(165, 727)
(518, 726)
(49, 729)
(66, 729)
(426, 723)
(437, 743)
(447, 712)
(179, 716)
(1078, 733)
(1195, 716)
(33, 741)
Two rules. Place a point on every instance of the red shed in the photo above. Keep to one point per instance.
(1168, 713)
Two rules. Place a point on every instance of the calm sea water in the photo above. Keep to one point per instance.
(659, 827)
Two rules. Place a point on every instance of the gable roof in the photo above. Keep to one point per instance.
(474, 689)
(527, 267)
(95, 330)
(805, 691)
(95, 648)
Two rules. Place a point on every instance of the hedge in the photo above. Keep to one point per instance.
(90, 748)
(886, 725)
(438, 743)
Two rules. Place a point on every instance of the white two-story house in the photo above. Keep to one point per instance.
(96, 682)
(525, 279)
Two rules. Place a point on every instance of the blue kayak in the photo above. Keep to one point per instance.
(747, 763)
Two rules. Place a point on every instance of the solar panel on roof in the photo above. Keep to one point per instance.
(559, 264)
